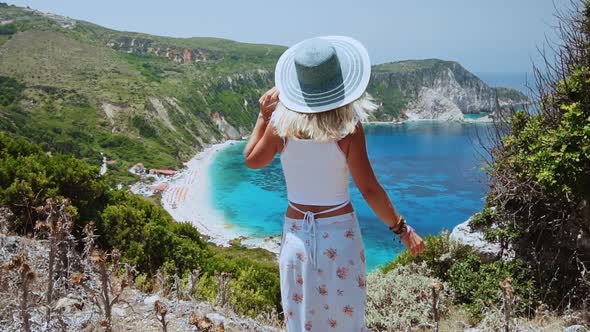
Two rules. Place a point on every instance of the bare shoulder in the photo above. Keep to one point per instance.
(273, 139)
(346, 143)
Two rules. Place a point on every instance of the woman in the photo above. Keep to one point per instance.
(313, 119)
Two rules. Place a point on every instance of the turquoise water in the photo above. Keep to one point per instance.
(431, 171)
(474, 116)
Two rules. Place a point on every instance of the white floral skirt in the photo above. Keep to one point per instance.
(322, 273)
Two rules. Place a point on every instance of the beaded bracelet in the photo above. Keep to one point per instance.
(402, 226)
(409, 231)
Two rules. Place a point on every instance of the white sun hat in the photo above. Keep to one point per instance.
(322, 73)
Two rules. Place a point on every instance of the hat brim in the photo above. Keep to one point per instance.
(356, 72)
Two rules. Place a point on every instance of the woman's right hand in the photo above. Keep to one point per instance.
(268, 102)
(413, 243)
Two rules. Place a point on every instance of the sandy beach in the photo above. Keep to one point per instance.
(187, 198)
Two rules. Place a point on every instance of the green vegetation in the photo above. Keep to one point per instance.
(82, 92)
(411, 66)
(393, 101)
(440, 255)
(398, 300)
(510, 94)
(538, 200)
(540, 183)
(395, 84)
(476, 284)
(145, 233)
(473, 282)
(8, 29)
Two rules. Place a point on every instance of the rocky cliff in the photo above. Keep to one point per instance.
(84, 89)
(76, 87)
(435, 89)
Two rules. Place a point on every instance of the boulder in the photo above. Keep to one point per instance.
(463, 233)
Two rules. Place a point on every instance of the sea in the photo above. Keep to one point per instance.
(431, 170)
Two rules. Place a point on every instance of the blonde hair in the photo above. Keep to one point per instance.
(324, 126)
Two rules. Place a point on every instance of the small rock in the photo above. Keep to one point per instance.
(216, 318)
(69, 303)
(119, 312)
(150, 300)
(10, 243)
(576, 328)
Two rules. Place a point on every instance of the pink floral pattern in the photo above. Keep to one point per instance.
(326, 293)
(332, 323)
(299, 279)
(349, 234)
(342, 272)
(331, 253)
(295, 227)
(297, 297)
(300, 256)
(347, 310)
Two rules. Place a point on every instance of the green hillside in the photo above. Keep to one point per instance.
(396, 84)
(85, 89)
(410, 66)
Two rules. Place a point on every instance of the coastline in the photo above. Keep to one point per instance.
(188, 199)
(483, 119)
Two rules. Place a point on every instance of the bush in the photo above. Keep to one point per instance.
(477, 284)
(145, 233)
(8, 29)
(401, 298)
(441, 253)
(28, 176)
(539, 173)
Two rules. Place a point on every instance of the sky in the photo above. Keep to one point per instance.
(485, 36)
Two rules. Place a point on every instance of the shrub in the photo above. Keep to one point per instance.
(7, 29)
(539, 173)
(254, 291)
(401, 298)
(477, 284)
(145, 233)
(441, 253)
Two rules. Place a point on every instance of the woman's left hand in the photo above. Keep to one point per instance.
(268, 102)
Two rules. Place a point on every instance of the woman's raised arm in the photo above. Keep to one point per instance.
(263, 143)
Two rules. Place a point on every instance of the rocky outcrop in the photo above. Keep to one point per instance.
(224, 127)
(465, 234)
(435, 89)
(146, 46)
(74, 308)
(431, 104)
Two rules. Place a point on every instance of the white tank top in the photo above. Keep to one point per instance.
(315, 173)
